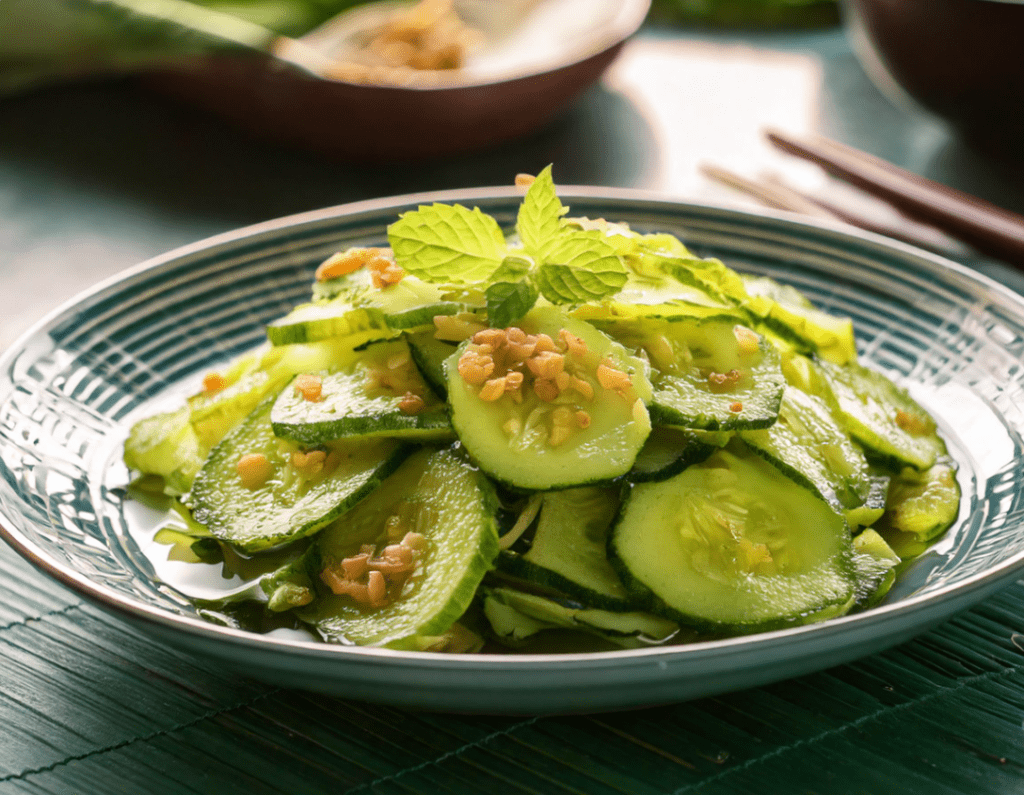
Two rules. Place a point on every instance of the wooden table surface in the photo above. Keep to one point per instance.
(95, 178)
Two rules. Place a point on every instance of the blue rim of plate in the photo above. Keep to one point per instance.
(912, 613)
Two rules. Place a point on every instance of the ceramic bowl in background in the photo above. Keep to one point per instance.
(529, 67)
(960, 59)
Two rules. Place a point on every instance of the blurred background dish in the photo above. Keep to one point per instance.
(390, 80)
(960, 59)
(521, 71)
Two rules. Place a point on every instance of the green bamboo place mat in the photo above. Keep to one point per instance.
(88, 705)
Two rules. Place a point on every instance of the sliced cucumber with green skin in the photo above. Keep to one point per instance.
(354, 283)
(923, 504)
(711, 273)
(289, 505)
(802, 374)
(667, 452)
(340, 308)
(569, 549)
(874, 504)
(279, 581)
(358, 309)
(520, 441)
(516, 616)
(658, 295)
(810, 447)
(663, 258)
(450, 504)
(165, 445)
(315, 322)
(881, 417)
(369, 397)
(733, 544)
(186, 548)
(215, 413)
(788, 313)
(290, 586)
(711, 375)
(430, 353)
(875, 563)
(655, 299)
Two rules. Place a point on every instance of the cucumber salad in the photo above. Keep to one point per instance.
(568, 436)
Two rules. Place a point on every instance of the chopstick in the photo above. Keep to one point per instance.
(771, 191)
(774, 194)
(988, 228)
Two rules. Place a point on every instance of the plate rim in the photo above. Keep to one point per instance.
(968, 590)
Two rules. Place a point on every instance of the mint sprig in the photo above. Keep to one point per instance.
(579, 267)
(447, 243)
(513, 268)
(540, 215)
(565, 263)
(507, 302)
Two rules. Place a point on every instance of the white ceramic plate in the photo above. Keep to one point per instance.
(71, 386)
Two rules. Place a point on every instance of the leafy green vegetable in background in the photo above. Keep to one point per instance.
(287, 17)
(45, 41)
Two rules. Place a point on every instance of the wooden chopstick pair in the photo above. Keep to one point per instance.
(988, 228)
(771, 191)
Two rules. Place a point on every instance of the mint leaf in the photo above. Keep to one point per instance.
(540, 215)
(509, 301)
(512, 268)
(579, 267)
(447, 243)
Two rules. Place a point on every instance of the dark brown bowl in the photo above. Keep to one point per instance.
(960, 59)
(376, 123)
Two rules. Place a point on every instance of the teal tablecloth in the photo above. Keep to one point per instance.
(95, 178)
(88, 705)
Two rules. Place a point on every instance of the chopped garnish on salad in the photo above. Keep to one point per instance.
(575, 436)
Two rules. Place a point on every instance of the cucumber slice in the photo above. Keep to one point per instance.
(380, 393)
(315, 322)
(810, 447)
(874, 504)
(290, 504)
(541, 436)
(516, 616)
(731, 543)
(256, 376)
(882, 417)
(924, 504)
(451, 505)
(360, 311)
(788, 313)
(667, 452)
(430, 353)
(213, 414)
(656, 299)
(662, 259)
(875, 563)
(569, 549)
(711, 375)
(165, 445)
